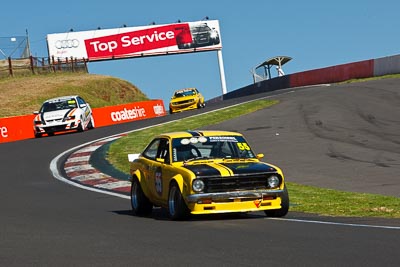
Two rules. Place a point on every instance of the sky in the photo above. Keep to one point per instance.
(314, 33)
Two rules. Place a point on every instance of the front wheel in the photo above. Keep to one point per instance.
(284, 206)
(201, 105)
(177, 209)
(80, 128)
(91, 123)
(141, 205)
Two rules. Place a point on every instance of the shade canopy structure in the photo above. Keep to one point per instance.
(275, 61)
(265, 67)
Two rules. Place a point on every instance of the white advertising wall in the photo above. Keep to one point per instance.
(129, 42)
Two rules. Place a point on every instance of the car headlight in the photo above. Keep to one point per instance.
(273, 181)
(69, 118)
(198, 185)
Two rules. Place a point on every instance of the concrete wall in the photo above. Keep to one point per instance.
(260, 87)
(387, 65)
(333, 74)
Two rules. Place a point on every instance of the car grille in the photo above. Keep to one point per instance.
(236, 183)
(202, 38)
(55, 128)
(53, 121)
(190, 101)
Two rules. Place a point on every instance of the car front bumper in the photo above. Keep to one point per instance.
(237, 201)
(59, 127)
(183, 107)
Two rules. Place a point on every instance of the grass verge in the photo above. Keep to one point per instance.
(135, 142)
(389, 76)
(23, 95)
(329, 202)
(303, 198)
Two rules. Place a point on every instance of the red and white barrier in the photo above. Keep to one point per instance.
(21, 127)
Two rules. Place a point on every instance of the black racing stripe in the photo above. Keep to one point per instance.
(65, 115)
(248, 167)
(203, 170)
(194, 133)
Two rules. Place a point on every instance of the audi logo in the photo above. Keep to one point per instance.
(71, 43)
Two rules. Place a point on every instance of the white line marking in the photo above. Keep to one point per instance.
(336, 223)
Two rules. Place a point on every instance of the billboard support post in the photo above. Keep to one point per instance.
(221, 71)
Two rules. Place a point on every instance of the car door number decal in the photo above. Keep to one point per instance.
(158, 181)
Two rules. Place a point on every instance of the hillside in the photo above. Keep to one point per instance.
(23, 95)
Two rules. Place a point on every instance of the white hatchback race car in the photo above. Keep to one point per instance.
(62, 114)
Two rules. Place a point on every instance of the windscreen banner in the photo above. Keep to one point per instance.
(127, 42)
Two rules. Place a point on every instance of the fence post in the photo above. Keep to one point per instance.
(32, 67)
(50, 65)
(43, 64)
(66, 64)
(10, 70)
(72, 64)
(84, 62)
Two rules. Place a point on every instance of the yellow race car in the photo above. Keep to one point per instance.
(185, 99)
(205, 172)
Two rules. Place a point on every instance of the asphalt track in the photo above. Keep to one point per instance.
(342, 136)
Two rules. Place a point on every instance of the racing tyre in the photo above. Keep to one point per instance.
(80, 127)
(38, 135)
(284, 206)
(91, 123)
(201, 105)
(177, 209)
(141, 205)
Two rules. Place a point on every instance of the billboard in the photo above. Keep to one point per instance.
(127, 42)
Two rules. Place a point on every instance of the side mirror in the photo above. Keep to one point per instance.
(260, 156)
(36, 112)
(132, 157)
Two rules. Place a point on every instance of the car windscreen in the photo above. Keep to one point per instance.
(211, 147)
(184, 93)
(58, 105)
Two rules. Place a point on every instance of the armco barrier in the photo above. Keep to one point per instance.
(339, 73)
(16, 128)
(387, 65)
(21, 127)
(260, 87)
(128, 112)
